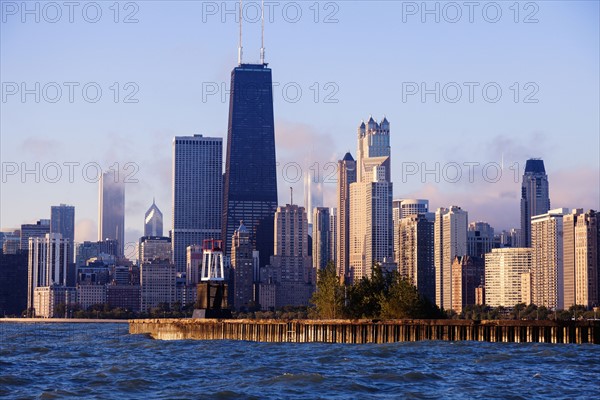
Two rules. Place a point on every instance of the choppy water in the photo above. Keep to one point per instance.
(103, 361)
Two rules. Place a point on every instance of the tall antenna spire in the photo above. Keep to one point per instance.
(240, 45)
(291, 195)
(262, 33)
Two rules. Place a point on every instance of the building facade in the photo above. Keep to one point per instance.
(157, 284)
(467, 276)
(480, 239)
(504, 269)
(111, 209)
(242, 263)
(47, 263)
(346, 176)
(547, 287)
(450, 240)
(197, 193)
(321, 238)
(415, 251)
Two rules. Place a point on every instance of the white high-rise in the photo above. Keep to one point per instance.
(371, 223)
(197, 193)
(503, 274)
(450, 240)
(48, 259)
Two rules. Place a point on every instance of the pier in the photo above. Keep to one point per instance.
(369, 331)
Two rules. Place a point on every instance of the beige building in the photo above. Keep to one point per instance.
(157, 280)
(467, 276)
(47, 298)
(291, 266)
(371, 223)
(580, 258)
(547, 269)
(504, 269)
(450, 240)
(526, 287)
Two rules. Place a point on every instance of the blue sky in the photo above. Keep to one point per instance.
(365, 59)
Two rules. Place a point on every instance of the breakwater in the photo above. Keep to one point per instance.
(369, 331)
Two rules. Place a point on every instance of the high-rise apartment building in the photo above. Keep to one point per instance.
(547, 269)
(467, 275)
(153, 221)
(535, 198)
(293, 271)
(504, 268)
(415, 251)
(197, 193)
(157, 279)
(47, 263)
(250, 181)
(346, 176)
(450, 240)
(333, 232)
(321, 237)
(371, 224)
(480, 239)
(580, 258)
(111, 209)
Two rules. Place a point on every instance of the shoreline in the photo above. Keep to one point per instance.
(63, 321)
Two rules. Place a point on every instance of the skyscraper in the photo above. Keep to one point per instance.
(415, 250)
(333, 232)
(47, 263)
(197, 193)
(62, 220)
(371, 224)
(450, 240)
(111, 209)
(467, 275)
(294, 272)
(250, 191)
(480, 239)
(346, 176)
(547, 268)
(535, 198)
(503, 273)
(580, 258)
(321, 237)
(153, 221)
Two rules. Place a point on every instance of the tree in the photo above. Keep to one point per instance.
(329, 295)
(404, 301)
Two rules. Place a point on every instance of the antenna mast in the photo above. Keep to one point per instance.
(240, 45)
(262, 33)
(291, 195)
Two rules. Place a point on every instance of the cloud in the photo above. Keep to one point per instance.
(86, 230)
(41, 147)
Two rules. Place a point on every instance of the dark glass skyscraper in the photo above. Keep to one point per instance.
(250, 181)
(535, 198)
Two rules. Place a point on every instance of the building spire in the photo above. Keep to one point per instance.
(240, 44)
(291, 195)
(262, 33)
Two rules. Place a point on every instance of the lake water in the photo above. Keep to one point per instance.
(103, 361)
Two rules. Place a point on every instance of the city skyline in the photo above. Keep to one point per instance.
(463, 135)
